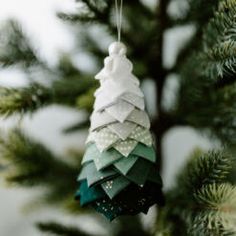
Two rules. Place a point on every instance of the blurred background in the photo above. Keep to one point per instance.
(53, 38)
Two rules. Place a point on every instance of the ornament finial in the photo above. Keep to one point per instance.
(117, 48)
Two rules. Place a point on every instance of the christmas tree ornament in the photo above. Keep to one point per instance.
(119, 173)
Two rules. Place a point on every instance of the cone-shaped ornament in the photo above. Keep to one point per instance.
(119, 173)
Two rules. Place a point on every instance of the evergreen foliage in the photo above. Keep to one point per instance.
(203, 200)
(58, 229)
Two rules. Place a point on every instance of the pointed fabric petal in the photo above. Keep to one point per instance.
(145, 152)
(134, 100)
(110, 209)
(140, 118)
(125, 147)
(139, 172)
(101, 119)
(107, 158)
(82, 174)
(115, 186)
(101, 159)
(103, 138)
(88, 195)
(90, 153)
(154, 176)
(142, 135)
(123, 130)
(120, 111)
(125, 164)
(103, 102)
(95, 177)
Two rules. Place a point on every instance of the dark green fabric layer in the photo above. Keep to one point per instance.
(131, 201)
(88, 195)
(113, 181)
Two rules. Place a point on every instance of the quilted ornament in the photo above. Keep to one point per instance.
(119, 173)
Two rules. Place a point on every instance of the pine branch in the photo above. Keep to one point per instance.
(220, 60)
(76, 91)
(219, 42)
(217, 211)
(82, 17)
(30, 164)
(216, 108)
(227, 80)
(216, 56)
(78, 126)
(200, 197)
(23, 100)
(86, 100)
(92, 6)
(212, 73)
(207, 168)
(191, 14)
(205, 8)
(199, 21)
(90, 12)
(67, 91)
(59, 229)
(221, 197)
(101, 11)
(15, 47)
(66, 68)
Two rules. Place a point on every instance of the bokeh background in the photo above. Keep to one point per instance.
(51, 37)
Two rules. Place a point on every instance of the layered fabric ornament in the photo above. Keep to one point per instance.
(119, 173)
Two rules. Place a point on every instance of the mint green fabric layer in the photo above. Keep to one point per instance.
(110, 156)
(144, 151)
(94, 176)
(82, 174)
(90, 153)
(125, 164)
(101, 159)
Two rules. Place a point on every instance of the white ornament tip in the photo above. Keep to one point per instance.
(117, 48)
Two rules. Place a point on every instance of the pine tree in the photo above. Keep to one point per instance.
(203, 200)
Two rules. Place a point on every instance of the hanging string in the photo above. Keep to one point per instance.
(119, 15)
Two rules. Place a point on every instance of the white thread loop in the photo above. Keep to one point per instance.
(119, 15)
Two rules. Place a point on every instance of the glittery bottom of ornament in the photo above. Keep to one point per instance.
(131, 201)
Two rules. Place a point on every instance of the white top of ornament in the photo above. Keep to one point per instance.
(117, 48)
(117, 66)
